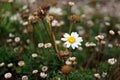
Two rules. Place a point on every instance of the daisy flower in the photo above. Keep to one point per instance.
(72, 40)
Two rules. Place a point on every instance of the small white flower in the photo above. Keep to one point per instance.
(44, 68)
(72, 40)
(99, 37)
(68, 62)
(47, 45)
(71, 3)
(118, 32)
(111, 32)
(17, 39)
(28, 41)
(35, 71)
(43, 75)
(21, 63)
(54, 22)
(11, 35)
(104, 74)
(25, 23)
(57, 42)
(2, 64)
(56, 11)
(80, 48)
(40, 45)
(10, 65)
(10, 1)
(8, 75)
(112, 61)
(110, 45)
(97, 75)
(72, 58)
(34, 55)
(24, 77)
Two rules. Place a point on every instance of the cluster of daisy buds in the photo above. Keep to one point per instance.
(70, 61)
(99, 37)
(46, 45)
(98, 76)
(43, 73)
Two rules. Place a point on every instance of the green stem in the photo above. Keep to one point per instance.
(70, 28)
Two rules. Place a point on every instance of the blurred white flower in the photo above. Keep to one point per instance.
(21, 63)
(8, 75)
(118, 32)
(24, 77)
(72, 40)
(112, 61)
(34, 55)
(99, 37)
(17, 39)
(68, 62)
(2, 64)
(10, 65)
(104, 74)
(97, 75)
(111, 32)
(47, 45)
(11, 35)
(44, 68)
(16, 17)
(34, 71)
(56, 11)
(43, 75)
(40, 45)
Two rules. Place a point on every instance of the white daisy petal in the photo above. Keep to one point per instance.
(66, 35)
(64, 39)
(74, 34)
(67, 44)
(73, 46)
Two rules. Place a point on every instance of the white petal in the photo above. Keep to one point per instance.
(79, 39)
(73, 46)
(66, 35)
(67, 44)
(74, 34)
(64, 39)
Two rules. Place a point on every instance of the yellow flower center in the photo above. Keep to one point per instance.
(71, 39)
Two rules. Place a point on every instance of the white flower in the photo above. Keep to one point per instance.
(10, 65)
(68, 62)
(24, 77)
(111, 32)
(72, 58)
(34, 55)
(17, 39)
(56, 11)
(72, 40)
(104, 74)
(97, 75)
(8, 75)
(112, 61)
(2, 64)
(35, 71)
(40, 45)
(47, 45)
(43, 75)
